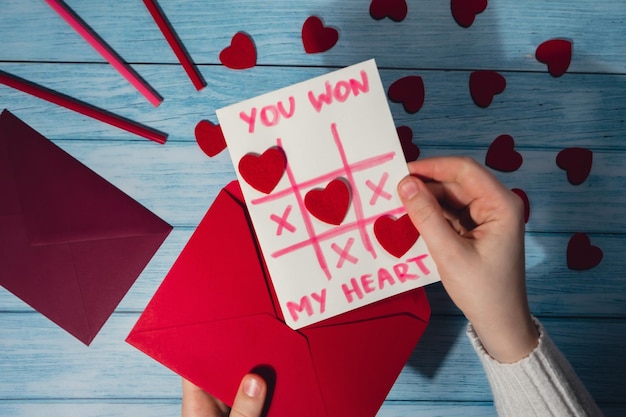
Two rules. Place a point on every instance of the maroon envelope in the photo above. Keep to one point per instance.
(215, 318)
(71, 243)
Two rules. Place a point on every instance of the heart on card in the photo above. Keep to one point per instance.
(556, 54)
(329, 204)
(396, 10)
(316, 37)
(409, 91)
(396, 236)
(210, 137)
(581, 254)
(411, 151)
(522, 194)
(484, 85)
(263, 172)
(241, 54)
(465, 11)
(576, 162)
(502, 155)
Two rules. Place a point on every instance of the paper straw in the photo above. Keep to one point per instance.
(175, 43)
(105, 50)
(81, 107)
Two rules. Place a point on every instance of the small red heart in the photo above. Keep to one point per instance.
(521, 194)
(409, 91)
(465, 11)
(316, 37)
(263, 172)
(329, 204)
(396, 236)
(210, 138)
(581, 254)
(502, 155)
(484, 85)
(241, 54)
(576, 162)
(556, 54)
(411, 151)
(396, 10)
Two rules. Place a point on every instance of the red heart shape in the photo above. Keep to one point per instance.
(521, 194)
(409, 91)
(396, 236)
(411, 151)
(241, 54)
(316, 37)
(484, 85)
(502, 155)
(576, 162)
(210, 137)
(556, 54)
(581, 254)
(396, 10)
(465, 11)
(329, 204)
(263, 172)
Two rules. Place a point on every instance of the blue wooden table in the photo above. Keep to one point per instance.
(46, 372)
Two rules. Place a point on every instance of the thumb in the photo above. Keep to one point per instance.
(250, 398)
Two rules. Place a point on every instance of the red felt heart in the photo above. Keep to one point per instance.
(581, 254)
(409, 91)
(576, 162)
(241, 54)
(396, 236)
(263, 172)
(484, 85)
(210, 138)
(411, 151)
(396, 10)
(524, 198)
(329, 204)
(556, 54)
(502, 155)
(316, 37)
(465, 11)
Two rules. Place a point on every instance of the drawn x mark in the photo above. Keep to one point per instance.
(282, 221)
(379, 189)
(344, 253)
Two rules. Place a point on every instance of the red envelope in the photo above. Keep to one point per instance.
(214, 318)
(71, 244)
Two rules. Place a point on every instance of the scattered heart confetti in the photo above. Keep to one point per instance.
(502, 155)
(576, 162)
(581, 254)
(316, 37)
(411, 151)
(465, 11)
(210, 138)
(241, 54)
(409, 91)
(263, 172)
(396, 10)
(396, 236)
(556, 54)
(329, 204)
(484, 85)
(522, 194)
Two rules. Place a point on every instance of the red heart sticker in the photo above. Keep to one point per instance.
(329, 204)
(411, 151)
(581, 254)
(210, 138)
(502, 155)
(465, 11)
(521, 194)
(263, 172)
(484, 85)
(316, 37)
(409, 91)
(396, 236)
(396, 10)
(576, 162)
(241, 54)
(556, 54)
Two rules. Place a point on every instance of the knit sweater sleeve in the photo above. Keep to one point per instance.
(542, 384)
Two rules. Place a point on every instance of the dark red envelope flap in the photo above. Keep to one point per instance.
(61, 199)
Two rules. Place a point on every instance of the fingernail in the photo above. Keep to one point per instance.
(408, 189)
(251, 387)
